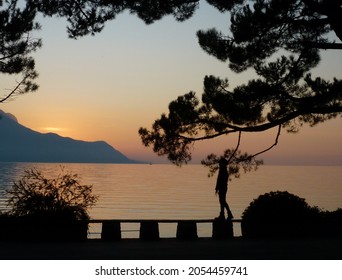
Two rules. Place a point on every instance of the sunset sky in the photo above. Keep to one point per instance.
(105, 87)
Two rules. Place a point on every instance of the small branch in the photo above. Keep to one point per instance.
(236, 148)
(269, 148)
(12, 92)
(324, 46)
(81, 10)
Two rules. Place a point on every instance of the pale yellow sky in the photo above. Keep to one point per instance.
(107, 86)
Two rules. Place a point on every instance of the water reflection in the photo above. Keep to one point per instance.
(10, 172)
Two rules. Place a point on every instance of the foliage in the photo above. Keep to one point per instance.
(275, 206)
(16, 45)
(248, 17)
(280, 40)
(89, 17)
(260, 28)
(17, 23)
(62, 197)
(279, 214)
(236, 161)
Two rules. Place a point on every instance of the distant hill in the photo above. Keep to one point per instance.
(21, 144)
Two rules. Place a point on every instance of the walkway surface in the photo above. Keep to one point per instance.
(203, 248)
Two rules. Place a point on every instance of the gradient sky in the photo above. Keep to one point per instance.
(105, 87)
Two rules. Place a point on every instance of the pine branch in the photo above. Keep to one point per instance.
(324, 46)
(8, 96)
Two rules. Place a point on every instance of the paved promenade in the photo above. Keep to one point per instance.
(203, 248)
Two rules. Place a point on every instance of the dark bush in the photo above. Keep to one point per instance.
(280, 214)
(331, 223)
(47, 209)
(62, 197)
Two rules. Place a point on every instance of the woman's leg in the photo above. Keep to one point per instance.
(223, 203)
(230, 214)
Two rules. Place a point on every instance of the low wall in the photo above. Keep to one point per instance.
(111, 230)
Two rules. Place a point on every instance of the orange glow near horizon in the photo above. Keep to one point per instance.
(52, 129)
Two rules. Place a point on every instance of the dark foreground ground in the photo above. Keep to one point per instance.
(203, 248)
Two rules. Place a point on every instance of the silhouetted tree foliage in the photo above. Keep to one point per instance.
(89, 17)
(285, 95)
(282, 214)
(275, 206)
(280, 40)
(17, 23)
(276, 214)
(260, 28)
(62, 198)
(294, 16)
(296, 24)
(237, 162)
(17, 44)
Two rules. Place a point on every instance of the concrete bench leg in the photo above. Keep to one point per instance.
(111, 231)
(149, 230)
(187, 230)
(222, 229)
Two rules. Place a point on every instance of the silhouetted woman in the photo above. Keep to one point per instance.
(222, 188)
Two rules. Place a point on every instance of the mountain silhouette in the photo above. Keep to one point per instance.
(21, 144)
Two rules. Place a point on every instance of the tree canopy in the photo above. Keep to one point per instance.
(89, 17)
(295, 17)
(16, 46)
(281, 41)
(18, 23)
(300, 23)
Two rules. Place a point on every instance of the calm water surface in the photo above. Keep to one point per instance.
(170, 192)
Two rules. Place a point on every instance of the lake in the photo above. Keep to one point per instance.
(162, 191)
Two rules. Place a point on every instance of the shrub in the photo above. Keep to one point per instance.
(331, 223)
(279, 214)
(59, 198)
(47, 209)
